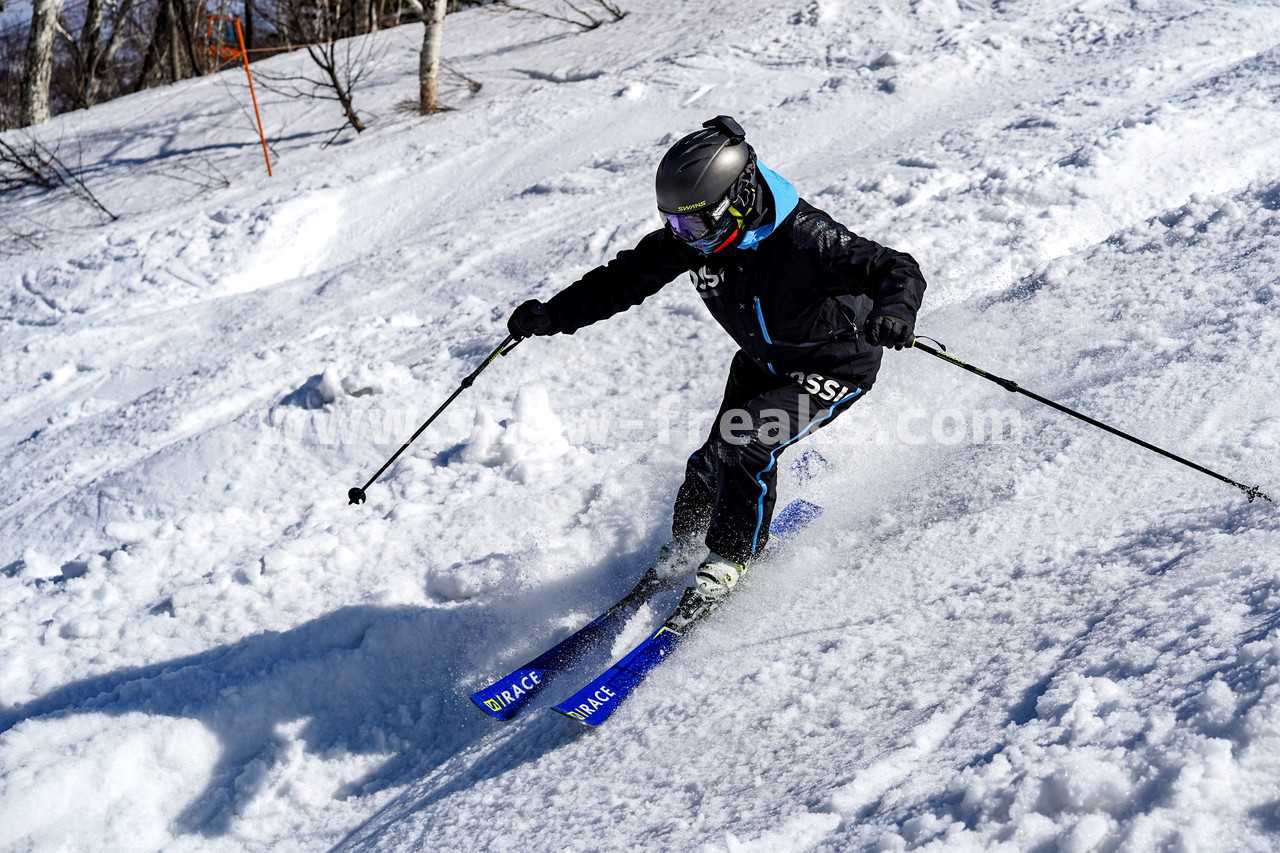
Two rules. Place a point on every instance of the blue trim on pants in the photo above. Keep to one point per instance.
(773, 458)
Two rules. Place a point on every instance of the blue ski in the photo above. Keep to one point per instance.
(504, 698)
(593, 704)
(596, 702)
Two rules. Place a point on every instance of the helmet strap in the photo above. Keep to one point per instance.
(727, 240)
(743, 206)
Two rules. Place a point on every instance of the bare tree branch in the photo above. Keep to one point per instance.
(34, 164)
(205, 177)
(587, 20)
(591, 24)
(15, 242)
(475, 85)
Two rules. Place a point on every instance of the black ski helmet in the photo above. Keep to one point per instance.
(707, 185)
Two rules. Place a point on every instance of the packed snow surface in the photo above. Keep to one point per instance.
(1009, 631)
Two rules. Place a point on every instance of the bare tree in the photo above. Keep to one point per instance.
(171, 51)
(326, 28)
(79, 53)
(342, 66)
(13, 59)
(91, 58)
(429, 61)
(39, 71)
(342, 75)
(72, 55)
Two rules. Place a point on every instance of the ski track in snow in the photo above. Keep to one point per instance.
(1054, 642)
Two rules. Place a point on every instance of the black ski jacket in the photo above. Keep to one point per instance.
(795, 304)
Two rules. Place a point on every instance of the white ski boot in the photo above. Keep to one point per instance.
(717, 575)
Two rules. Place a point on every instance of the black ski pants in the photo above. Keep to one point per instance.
(730, 483)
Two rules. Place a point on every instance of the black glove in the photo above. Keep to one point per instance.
(530, 319)
(883, 330)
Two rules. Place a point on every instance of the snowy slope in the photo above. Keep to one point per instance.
(1053, 641)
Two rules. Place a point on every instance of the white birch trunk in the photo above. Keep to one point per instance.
(35, 85)
(429, 63)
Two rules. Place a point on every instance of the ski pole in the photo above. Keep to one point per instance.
(1252, 492)
(356, 495)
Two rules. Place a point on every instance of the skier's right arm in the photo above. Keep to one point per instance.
(626, 281)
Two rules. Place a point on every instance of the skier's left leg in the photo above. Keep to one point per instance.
(745, 446)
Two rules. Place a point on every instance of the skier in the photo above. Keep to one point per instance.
(809, 303)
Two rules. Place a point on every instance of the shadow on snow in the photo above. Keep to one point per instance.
(366, 680)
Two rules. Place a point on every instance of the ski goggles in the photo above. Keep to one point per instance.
(706, 230)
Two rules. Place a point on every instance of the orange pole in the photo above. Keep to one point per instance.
(245, 54)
